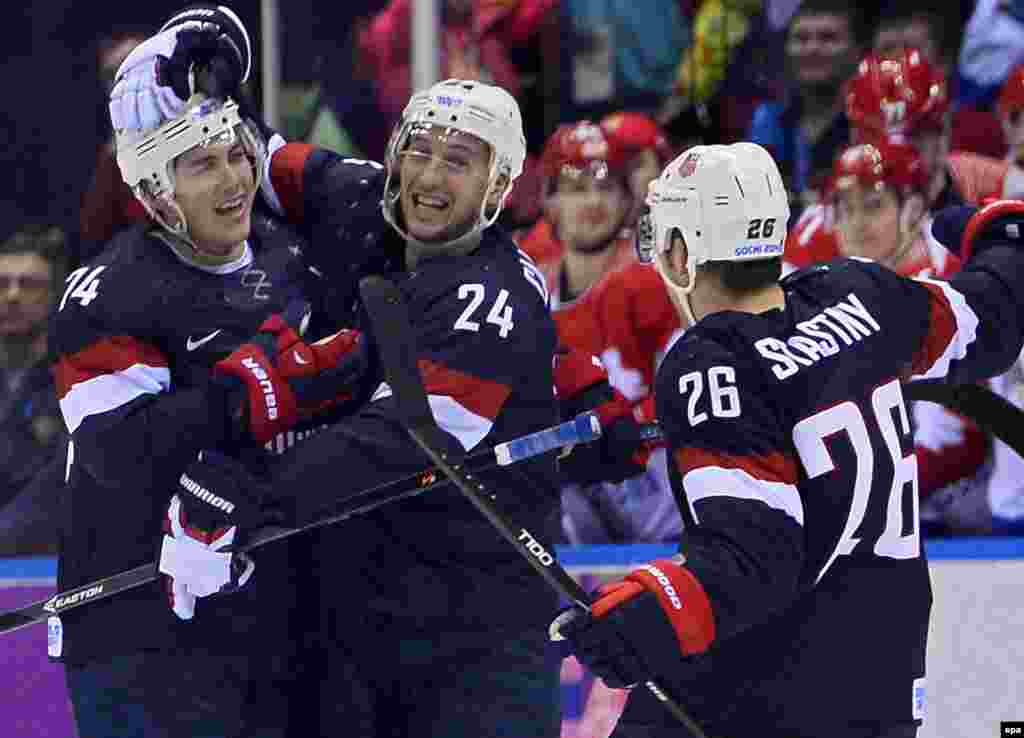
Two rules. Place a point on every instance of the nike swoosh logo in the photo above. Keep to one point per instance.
(298, 358)
(191, 345)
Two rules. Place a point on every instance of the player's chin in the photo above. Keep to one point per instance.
(593, 242)
(429, 230)
(235, 228)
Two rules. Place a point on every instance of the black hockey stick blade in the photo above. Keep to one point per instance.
(392, 327)
(989, 411)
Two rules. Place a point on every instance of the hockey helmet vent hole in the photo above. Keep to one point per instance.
(206, 129)
(454, 118)
(430, 113)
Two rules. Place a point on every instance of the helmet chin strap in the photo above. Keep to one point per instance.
(417, 250)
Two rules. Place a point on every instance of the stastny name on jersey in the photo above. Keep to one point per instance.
(834, 328)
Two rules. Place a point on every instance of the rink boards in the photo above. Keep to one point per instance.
(976, 643)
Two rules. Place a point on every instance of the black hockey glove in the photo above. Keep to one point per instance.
(966, 230)
(639, 628)
(215, 502)
(622, 451)
(276, 379)
(212, 40)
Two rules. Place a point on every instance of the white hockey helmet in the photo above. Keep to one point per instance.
(727, 201)
(485, 111)
(146, 158)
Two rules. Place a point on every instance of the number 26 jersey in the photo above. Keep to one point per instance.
(792, 459)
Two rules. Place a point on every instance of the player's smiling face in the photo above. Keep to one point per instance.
(443, 174)
(215, 187)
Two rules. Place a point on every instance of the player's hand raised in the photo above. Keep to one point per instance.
(203, 48)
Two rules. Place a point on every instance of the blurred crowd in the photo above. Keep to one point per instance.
(877, 114)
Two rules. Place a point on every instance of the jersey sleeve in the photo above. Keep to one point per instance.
(735, 476)
(128, 423)
(974, 326)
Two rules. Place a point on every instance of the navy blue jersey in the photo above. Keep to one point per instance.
(135, 334)
(792, 458)
(486, 342)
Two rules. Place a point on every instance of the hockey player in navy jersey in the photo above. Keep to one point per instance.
(418, 630)
(798, 603)
(154, 363)
(431, 625)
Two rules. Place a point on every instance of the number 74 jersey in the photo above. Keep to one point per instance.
(792, 459)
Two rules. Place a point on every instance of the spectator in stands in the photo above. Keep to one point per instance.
(993, 43)
(32, 432)
(902, 97)
(809, 126)
(910, 26)
(905, 96)
(478, 41)
(719, 27)
(916, 25)
(620, 54)
(331, 100)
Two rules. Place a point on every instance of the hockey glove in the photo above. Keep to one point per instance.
(622, 451)
(276, 379)
(967, 230)
(159, 75)
(215, 500)
(639, 628)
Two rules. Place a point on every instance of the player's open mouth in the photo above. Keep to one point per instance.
(430, 205)
(233, 206)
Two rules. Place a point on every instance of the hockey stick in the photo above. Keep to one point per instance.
(584, 428)
(992, 413)
(389, 316)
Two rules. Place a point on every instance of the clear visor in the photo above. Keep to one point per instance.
(455, 151)
(227, 137)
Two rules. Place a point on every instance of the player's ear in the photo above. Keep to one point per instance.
(495, 194)
(674, 260)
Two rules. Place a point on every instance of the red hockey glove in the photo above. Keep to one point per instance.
(622, 451)
(216, 499)
(285, 379)
(639, 628)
